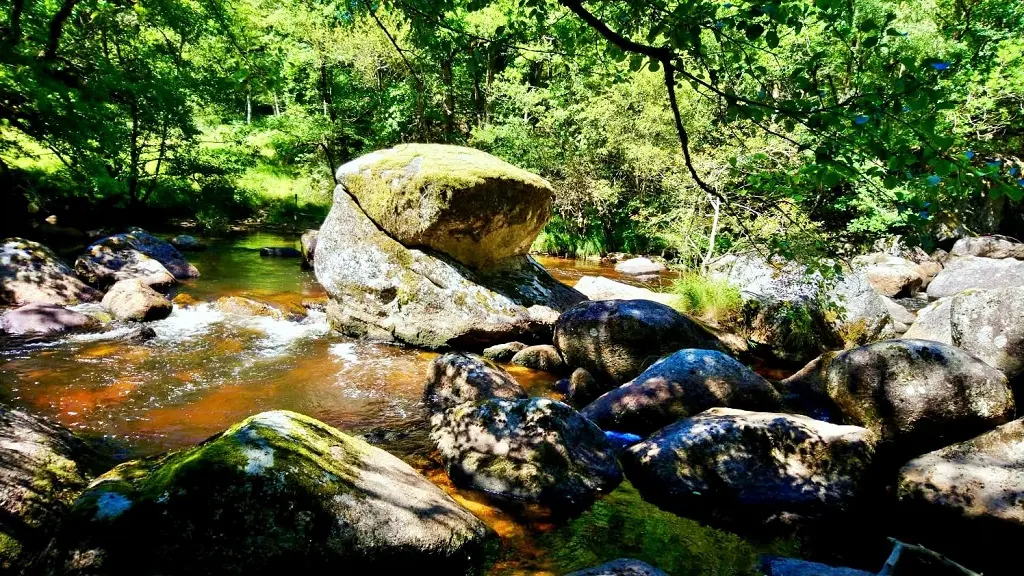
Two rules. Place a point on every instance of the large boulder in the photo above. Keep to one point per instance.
(639, 267)
(31, 273)
(106, 264)
(917, 395)
(794, 315)
(683, 384)
(44, 319)
(43, 467)
(114, 252)
(733, 465)
(890, 275)
(382, 290)
(134, 300)
(275, 492)
(616, 340)
(987, 323)
(778, 566)
(601, 288)
(988, 247)
(980, 479)
(967, 272)
(464, 203)
(620, 567)
(460, 377)
(534, 450)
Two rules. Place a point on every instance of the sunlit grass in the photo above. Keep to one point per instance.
(707, 298)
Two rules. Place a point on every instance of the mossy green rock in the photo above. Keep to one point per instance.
(533, 449)
(42, 470)
(31, 273)
(461, 202)
(381, 290)
(278, 492)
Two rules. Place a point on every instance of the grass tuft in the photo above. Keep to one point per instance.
(709, 299)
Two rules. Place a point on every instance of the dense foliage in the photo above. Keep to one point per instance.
(804, 126)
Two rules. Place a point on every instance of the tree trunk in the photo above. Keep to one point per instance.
(449, 98)
(277, 108)
(134, 152)
(248, 106)
(57, 28)
(716, 204)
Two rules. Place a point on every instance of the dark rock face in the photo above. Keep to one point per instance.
(44, 319)
(535, 449)
(620, 567)
(107, 252)
(31, 273)
(503, 352)
(732, 465)
(967, 272)
(916, 394)
(615, 340)
(276, 492)
(43, 467)
(382, 290)
(980, 479)
(777, 566)
(133, 300)
(986, 323)
(683, 384)
(280, 252)
(459, 377)
(543, 357)
(581, 389)
(187, 243)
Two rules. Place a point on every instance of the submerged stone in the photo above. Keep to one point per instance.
(276, 492)
(621, 567)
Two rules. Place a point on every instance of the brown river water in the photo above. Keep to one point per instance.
(206, 370)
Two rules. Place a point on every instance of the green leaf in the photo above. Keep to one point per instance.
(772, 38)
(754, 31)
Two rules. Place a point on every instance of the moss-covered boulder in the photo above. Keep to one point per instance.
(459, 377)
(736, 466)
(130, 255)
(278, 492)
(382, 290)
(917, 395)
(31, 273)
(43, 467)
(616, 340)
(534, 449)
(458, 201)
(683, 384)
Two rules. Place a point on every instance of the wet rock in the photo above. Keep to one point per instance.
(184, 299)
(683, 384)
(980, 479)
(615, 340)
(582, 388)
(461, 202)
(601, 288)
(639, 267)
(31, 273)
(778, 566)
(890, 275)
(986, 323)
(279, 252)
(117, 247)
(543, 357)
(246, 307)
(503, 352)
(274, 492)
(620, 567)
(105, 265)
(381, 290)
(307, 245)
(459, 377)
(43, 320)
(43, 467)
(187, 243)
(997, 247)
(971, 272)
(737, 466)
(133, 300)
(917, 395)
(534, 450)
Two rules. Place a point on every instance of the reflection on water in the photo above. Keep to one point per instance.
(208, 368)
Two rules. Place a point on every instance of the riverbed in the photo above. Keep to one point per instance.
(207, 369)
